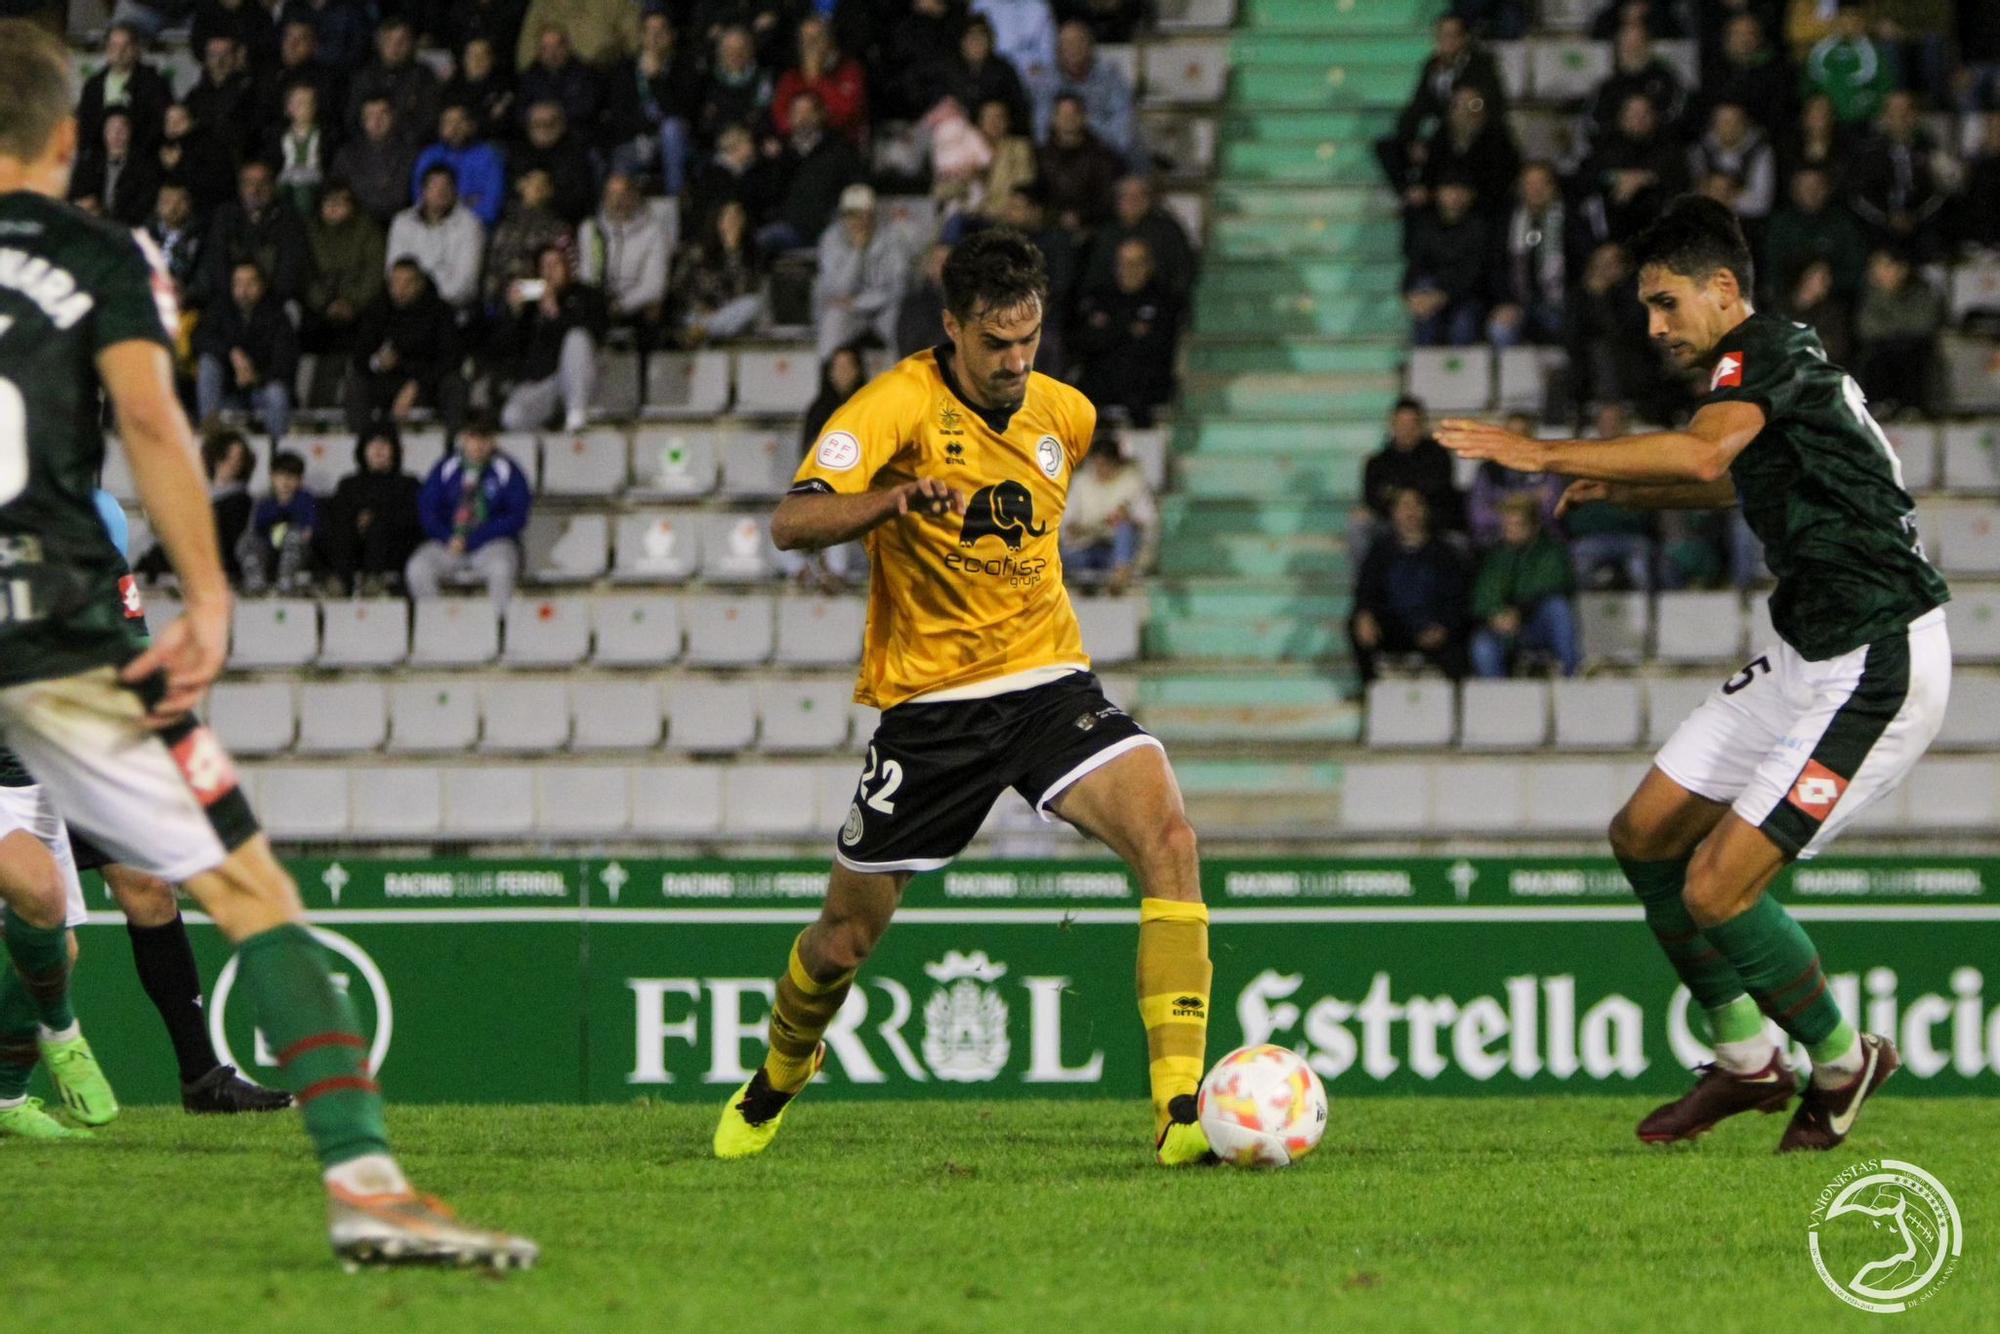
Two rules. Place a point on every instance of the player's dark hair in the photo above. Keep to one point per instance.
(1694, 238)
(994, 269)
(36, 88)
(287, 463)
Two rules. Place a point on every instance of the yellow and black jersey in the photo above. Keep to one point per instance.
(954, 603)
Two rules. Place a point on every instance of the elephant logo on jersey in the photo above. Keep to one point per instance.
(965, 1020)
(1004, 510)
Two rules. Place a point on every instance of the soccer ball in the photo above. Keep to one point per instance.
(1262, 1107)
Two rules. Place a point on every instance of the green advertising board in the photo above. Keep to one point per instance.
(597, 980)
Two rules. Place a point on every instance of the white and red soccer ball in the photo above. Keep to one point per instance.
(1262, 1107)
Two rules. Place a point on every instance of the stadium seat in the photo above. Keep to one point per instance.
(619, 714)
(454, 632)
(1952, 793)
(687, 384)
(1190, 210)
(1597, 715)
(673, 462)
(1483, 797)
(736, 549)
(588, 463)
(679, 799)
(1670, 699)
(273, 632)
(1614, 626)
(914, 219)
(1972, 456)
(1697, 626)
(301, 802)
(161, 609)
(863, 721)
(1512, 60)
(572, 801)
(1147, 447)
(547, 632)
(803, 717)
(1452, 379)
(433, 717)
(566, 548)
(1572, 797)
(524, 717)
(1110, 627)
(779, 383)
(116, 476)
(1972, 372)
(834, 793)
(1503, 715)
(1196, 15)
(758, 465)
(1185, 72)
(1975, 284)
(710, 717)
(1567, 69)
(1972, 713)
(423, 449)
(1524, 373)
(1916, 445)
(365, 632)
(657, 547)
(635, 630)
(1565, 15)
(618, 391)
(770, 800)
(817, 632)
(729, 631)
(1411, 713)
(489, 801)
(1378, 797)
(1968, 538)
(340, 717)
(328, 458)
(252, 717)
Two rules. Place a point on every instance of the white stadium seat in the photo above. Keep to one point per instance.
(816, 631)
(1953, 792)
(524, 716)
(710, 717)
(490, 801)
(302, 801)
(636, 629)
(803, 717)
(758, 465)
(1972, 713)
(1597, 715)
(525, 449)
(365, 632)
(1972, 370)
(1411, 713)
(328, 458)
(340, 717)
(1567, 69)
(1186, 72)
(1669, 700)
(615, 714)
(679, 799)
(779, 383)
(1972, 456)
(1916, 445)
(1698, 626)
(1574, 798)
(1385, 797)
(728, 631)
(673, 462)
(116, 476)
(1503, 715)
(1968, 538)
(252, 717)
(1452, 379)
(566, 548)
(1523, 375)
(1196, 15)
(161, 608)
(736, 549)
(1486, 797)
(657, 546)
(770, 799)
(683, 384)
(424, 449)
(618, 390)
(1614, 626)
(454, 632)
(273, 632)
(1110, 627)
(434, 716)
(584, 463)
(547, 632)
(834, 784)
(573, 800)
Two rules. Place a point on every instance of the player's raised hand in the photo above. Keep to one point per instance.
(188, 655)
(1582, 493)
(930, 496)
(1480, 440)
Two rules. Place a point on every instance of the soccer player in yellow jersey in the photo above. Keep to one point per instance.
(954, 466)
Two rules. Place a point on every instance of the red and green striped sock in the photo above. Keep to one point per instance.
(1780, 969)
(41, 957)
(312, 1027)
(18, 1049)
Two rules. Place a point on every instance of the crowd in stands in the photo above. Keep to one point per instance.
(448, 212)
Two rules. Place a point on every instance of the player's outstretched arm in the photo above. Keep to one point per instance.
(809, 520)
(160, 447)
(1717, 495)
(1702, 453)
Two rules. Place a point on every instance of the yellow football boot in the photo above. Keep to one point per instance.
(750, 1118)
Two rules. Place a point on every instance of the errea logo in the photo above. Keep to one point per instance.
(1728, 372)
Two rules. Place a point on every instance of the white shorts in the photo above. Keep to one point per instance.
(29, 810)
(166, 802)
(1800, 748)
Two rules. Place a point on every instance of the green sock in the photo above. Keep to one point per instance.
(1738, 1021)
(18, 1049)
(312, 1027)
(1780, 969)
(41, 956)
(1834, 1045)
(1709, 977)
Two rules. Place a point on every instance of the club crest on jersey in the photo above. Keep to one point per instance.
(1728, 372)
(949, 420)
(1049, 453)
(838, 452)
(1817, 790)
(1005, 510)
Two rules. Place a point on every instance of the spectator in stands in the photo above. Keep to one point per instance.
(406, 355)
(553, 148)
(1124, 335)
(1111, 523)
(910, 68)
(863, 269)
(484, 88)
(1635, 170)
(246, 352)
(369, 527)
(556, 75)
(623, 251)
(1108, 20)
(1026, 211)
(378, 162)
(650, 106)
(808, 178)
(114, 176)
(298, 64)
(1521, 598)
(478, 174)
(981, 195)
(920, 316)
(276, 550)
(248, 24)
(1748, 73)
(1449, 278)
(1102, 86)
(718, 286)
(1024, 31)
(1737, 151)
(601, 32)
(1655, 19)
(1540, 244)
(825, 72)
(473, 507)
(733, 171)
(550, 334)
(1493, 486)
(1472, 144)
(347, 266)
(230, 464)
(1978, 221)
(1410, 595)
(397, 76)
(223, 100)
(1896, 326)
(1851, 68)
(1079, 171)
(840, 377)
(529, 226)
(1137, 215)
(189, 153)
(128, 82)
(973, 74)
(340, 30)
(443, 236)
(1409, 460)
(737, 91)
(1609, 544)
(301, 148)
(260, 228)
(1814, 140)
(1814, 299)
(1894, 186)
(1815, 227)
(176, 230)
(1636, 71)
(1455, 62)
(1610, 352)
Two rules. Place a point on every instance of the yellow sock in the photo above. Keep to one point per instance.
(803, 1010)
(1174, 977)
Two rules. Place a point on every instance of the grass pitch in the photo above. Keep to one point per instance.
(1514, 1214)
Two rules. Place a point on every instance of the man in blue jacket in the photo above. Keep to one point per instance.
(477, 166)
(473, 507)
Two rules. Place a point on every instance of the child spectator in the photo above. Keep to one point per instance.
(276, 549)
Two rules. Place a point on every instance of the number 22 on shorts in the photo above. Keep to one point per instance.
(890, 775)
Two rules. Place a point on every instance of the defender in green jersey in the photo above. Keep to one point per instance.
(84, 314)
(1813, 730)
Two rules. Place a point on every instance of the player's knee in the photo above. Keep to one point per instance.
(145, 899)
(74, 948)
(1708, 896)
(843, 945)
(1175, 842)
(1637, 839)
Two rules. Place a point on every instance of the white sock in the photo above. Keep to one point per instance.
(370, 1174)
(70, 1034)
(1838, 1070)
(9, 1104)
(1746, 1057)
